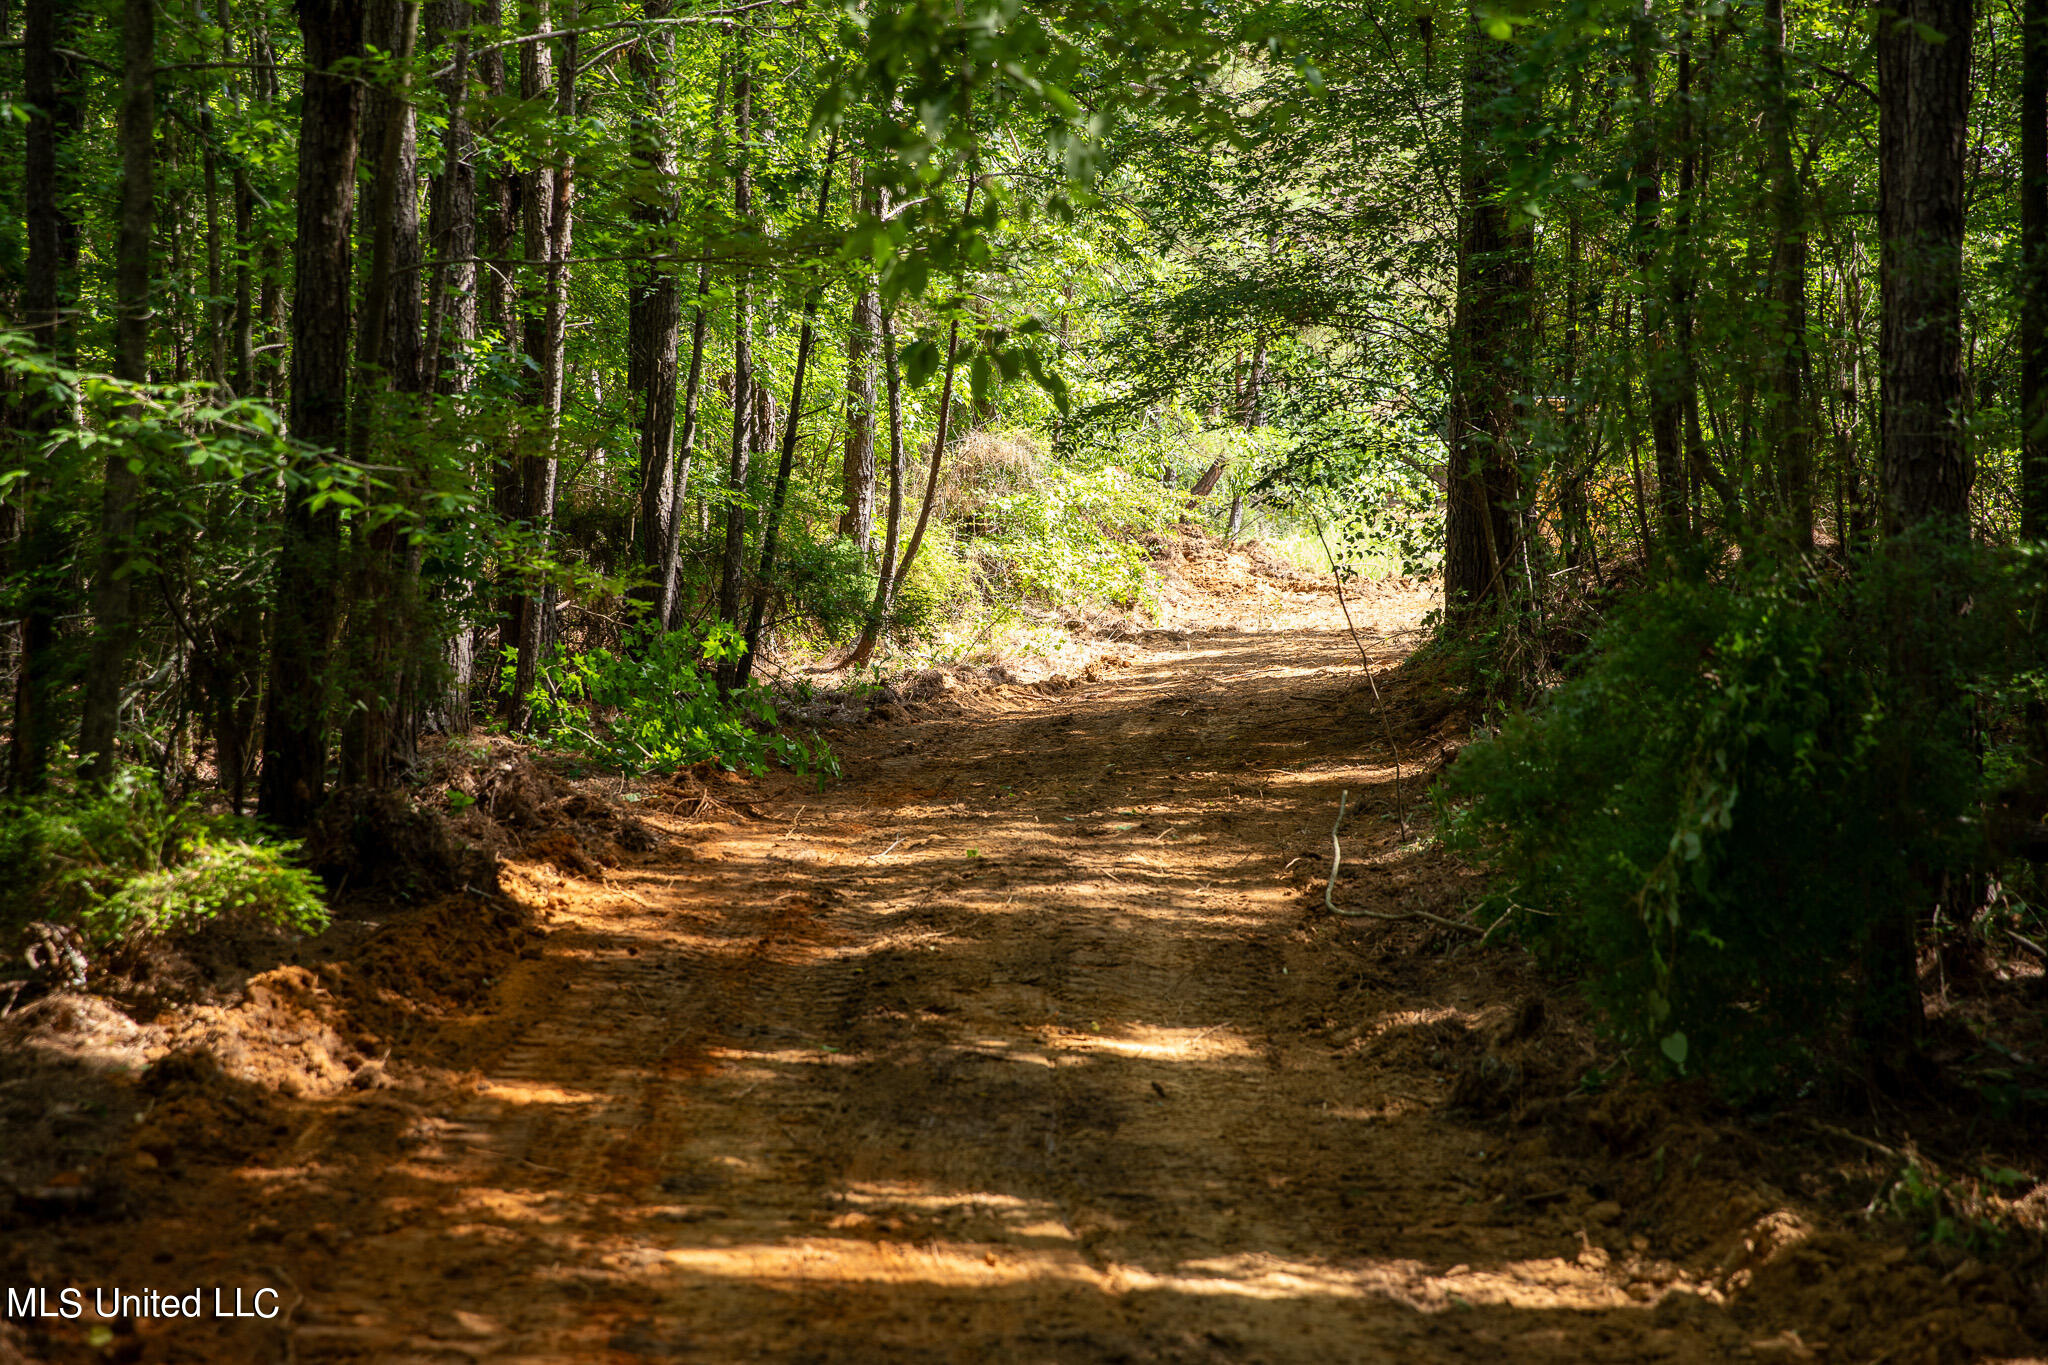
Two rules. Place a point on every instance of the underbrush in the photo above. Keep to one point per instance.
(1054, 533)
(129, 862)
(1754, 789)
(654, 706)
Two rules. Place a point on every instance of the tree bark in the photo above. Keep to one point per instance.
(2034, 265)
(1489, 333)
(451, 222)
(885, 584)
(1924, 95)
(1923, 120)
(771, 526)
(309, 559)
(1663, 372)
(384, 616)
(656, 311)
(732, 563)
(931, 483)
(1791, 436)
(55, 116)
(668, 608)
(549, 237)
(857, 469)
(121, 493)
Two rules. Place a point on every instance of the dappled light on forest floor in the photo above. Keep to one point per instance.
(1031, 1041)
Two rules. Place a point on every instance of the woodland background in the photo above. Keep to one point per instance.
(378, 370)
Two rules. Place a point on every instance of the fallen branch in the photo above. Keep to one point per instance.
(1330, 888)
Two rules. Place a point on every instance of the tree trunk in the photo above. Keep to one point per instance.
(383, 615)
(1791, 437)
(732, 563)
(668, 606)
(656, 312)
(1691, 186)
(771, 526)
(451, 222)
(885, 584)
(55, 115)
(121, 494)
(1663, 374)
(1489, 331)
(1923, 119)
(931, 483)
(1250, 396)
(216, 310)
(549, 237)
(1924, 94)
(309, 559)
(857, 470)
(2034, 266)
(497, 208)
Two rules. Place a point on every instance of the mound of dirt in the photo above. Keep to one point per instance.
(513, 804)
(436, 962)
(385, 845)
(67, 1068)
(222, 1084)
(1771, 1224)
(284, 1036)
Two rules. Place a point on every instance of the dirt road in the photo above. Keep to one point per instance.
(1029, 1042)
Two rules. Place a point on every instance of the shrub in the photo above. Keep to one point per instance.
(1745, 781)
(127, 862)
(212, 879)
(1074, 537)
(654, 706)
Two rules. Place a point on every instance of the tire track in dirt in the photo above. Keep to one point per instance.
(1028, 1042)
(998, 1051)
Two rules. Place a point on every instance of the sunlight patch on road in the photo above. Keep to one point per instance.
(903, 1194)
(931, 1263)
(1156, 1043)
(535, 1092)
(759, 1064)
(1534, 1285)
(1546, 1284)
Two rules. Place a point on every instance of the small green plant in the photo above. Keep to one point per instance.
(212, 879)
(1952, 1211)
(654, 706)
(127, 862)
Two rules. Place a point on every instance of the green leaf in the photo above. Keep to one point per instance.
(920, 362)
(1676, 1048)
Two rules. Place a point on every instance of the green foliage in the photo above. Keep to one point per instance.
(823, 586)
(940, 584)
(130, 862)
(1074, 536)
(1745, 780)
(654, 706)
(1953, 1211)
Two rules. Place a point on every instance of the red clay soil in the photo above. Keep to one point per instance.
(1029, 1041)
